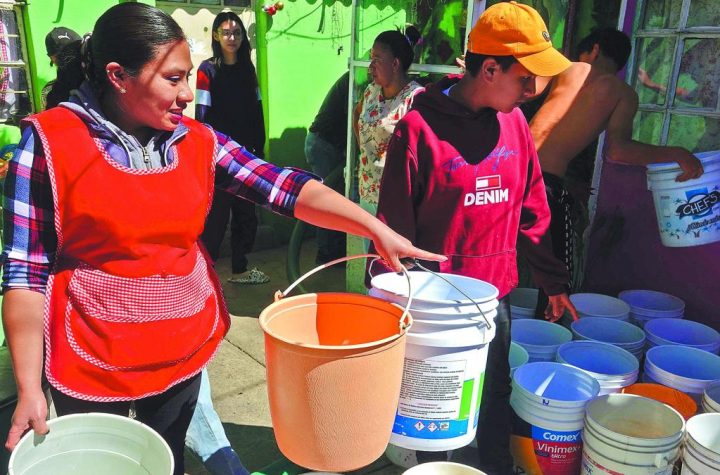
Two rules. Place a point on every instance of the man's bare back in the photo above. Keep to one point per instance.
(577, 109)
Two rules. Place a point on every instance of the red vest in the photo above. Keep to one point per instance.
(132, 304)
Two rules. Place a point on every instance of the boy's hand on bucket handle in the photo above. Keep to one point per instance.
(30, 413)
(557, 306)
(689, 164)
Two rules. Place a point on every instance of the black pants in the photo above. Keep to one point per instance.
(561, 230)
(243, 228)
(493, 431)
(168, 413)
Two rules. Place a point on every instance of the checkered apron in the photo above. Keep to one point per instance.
(132, 305)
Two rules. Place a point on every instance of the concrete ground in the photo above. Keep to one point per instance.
(238, 372)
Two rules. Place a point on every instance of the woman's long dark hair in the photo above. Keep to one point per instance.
(127, 33)
(243, 53)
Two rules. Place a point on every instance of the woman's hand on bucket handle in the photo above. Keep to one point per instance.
(691, 167)
(557, 306)
(393, 247)
(30, 413)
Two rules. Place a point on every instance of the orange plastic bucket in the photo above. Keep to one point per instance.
(334, 366)
(678, 400)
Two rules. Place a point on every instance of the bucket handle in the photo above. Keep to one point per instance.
(412, 262)
(404, 318)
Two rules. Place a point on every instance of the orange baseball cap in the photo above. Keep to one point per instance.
(514, 29)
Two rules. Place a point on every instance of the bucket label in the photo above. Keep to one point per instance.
(688, 217)
(542, 451)
(435, 399)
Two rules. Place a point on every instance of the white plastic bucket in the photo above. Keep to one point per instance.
(630, 435)
(702, 445)
(647, 305)
(674, 331)
(540, 338)
(442, 468)
(613, 367)
(523, 301)
(711, 398)
(610, 330)
(548, 400)
(431, 292)
(599, 305)
(445, 358)
(686, 369)
(688, 213)
(518, 356)
(91, 443)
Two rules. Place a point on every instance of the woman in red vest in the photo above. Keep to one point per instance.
(106, 198)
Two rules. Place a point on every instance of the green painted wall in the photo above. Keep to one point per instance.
(301, 51)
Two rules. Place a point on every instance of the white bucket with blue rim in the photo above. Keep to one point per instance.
(600, 305)
(445, 357)
(517, 357)
(688, 212)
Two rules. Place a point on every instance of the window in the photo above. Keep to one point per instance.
(677, 74)
(15, 100)
(222, 3)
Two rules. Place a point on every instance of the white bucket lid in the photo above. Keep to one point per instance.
(430, 291)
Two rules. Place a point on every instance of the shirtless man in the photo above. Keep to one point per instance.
(582, 102)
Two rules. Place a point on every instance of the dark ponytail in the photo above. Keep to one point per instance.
(127, 33)
(400, 44)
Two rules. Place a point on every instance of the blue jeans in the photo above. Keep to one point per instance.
(206, 435)
(324, 157)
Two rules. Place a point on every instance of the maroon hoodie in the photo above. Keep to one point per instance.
(468, 185)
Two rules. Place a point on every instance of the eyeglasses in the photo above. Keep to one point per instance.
(229, 33)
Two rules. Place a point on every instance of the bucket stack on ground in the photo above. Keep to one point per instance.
(609, 330)
(540, 338)
(612, 367)
(600, 305)
(673, 331)
(445, 359)
(523, 302)
(711, 398)
(686, 369)
(646, 305)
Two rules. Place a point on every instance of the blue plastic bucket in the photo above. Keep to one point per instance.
(523, 302)
(674, 331)
(540, 338)
(688, 212)
(518, 357)
(599, 305)
(646, 305)
(549, 400)
(610, 330)
(711, 397)
(686, 369)
(613, 367)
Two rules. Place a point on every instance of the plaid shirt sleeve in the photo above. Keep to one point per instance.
(240, 173)
(29, 235)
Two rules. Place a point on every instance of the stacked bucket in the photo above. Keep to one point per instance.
(686, 369)
(523, 301)
(612, 367)
(609, 330)
(711, 398)
(673, 331)
(447, 346)
(647, 305)
(541, 339)
(599, 305)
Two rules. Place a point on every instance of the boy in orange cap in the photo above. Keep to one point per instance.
(462, 178)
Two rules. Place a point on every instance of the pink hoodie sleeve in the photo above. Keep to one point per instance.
(534, 241)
